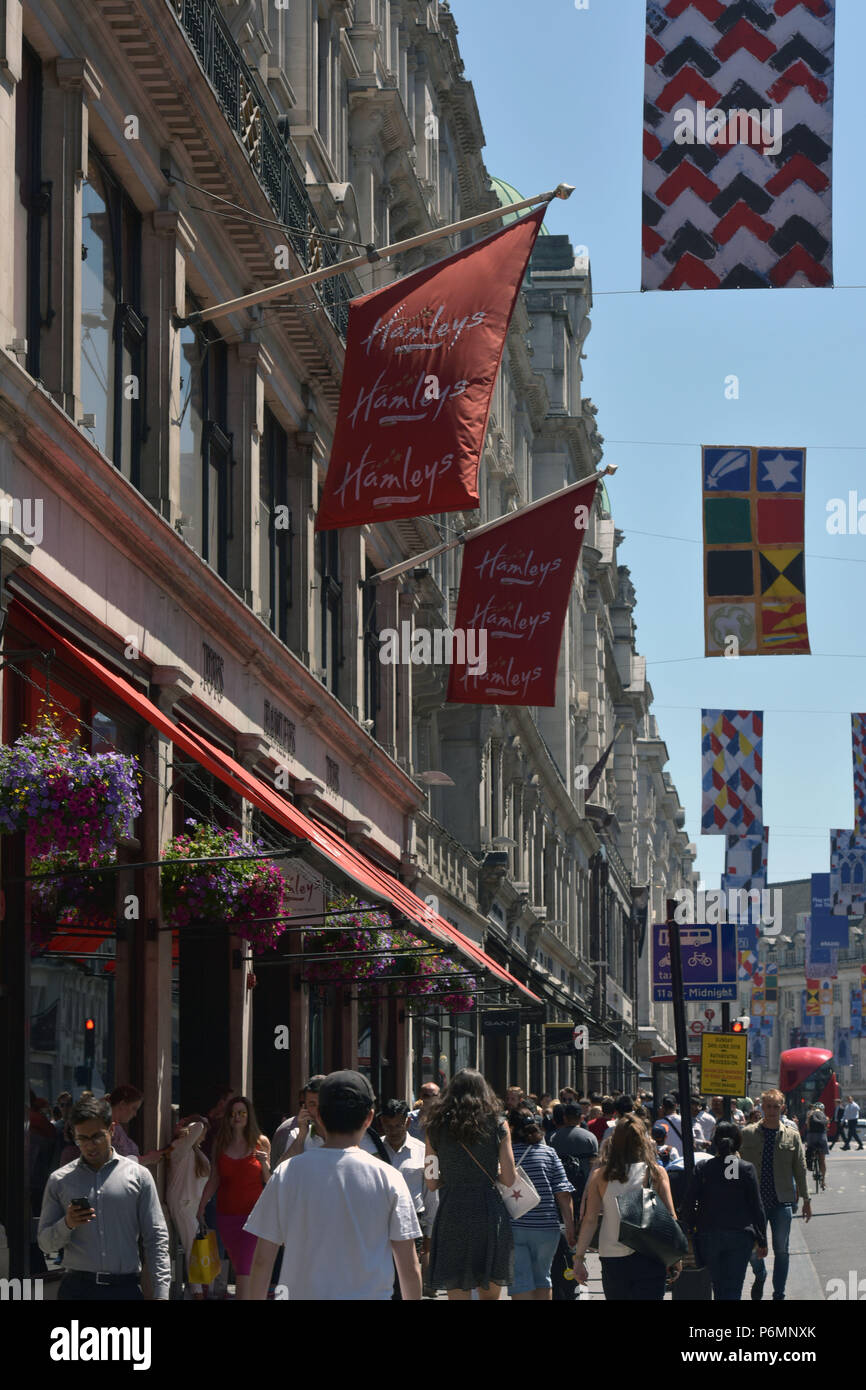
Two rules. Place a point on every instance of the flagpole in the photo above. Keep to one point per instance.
(383, 575)
(370, 256)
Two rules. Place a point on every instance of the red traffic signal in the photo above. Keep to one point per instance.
(737, 1027)
(89, 1025)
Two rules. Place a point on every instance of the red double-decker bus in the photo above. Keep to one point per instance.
(806, 1076)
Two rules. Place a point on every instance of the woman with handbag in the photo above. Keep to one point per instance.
(468, 1143)
(629, 1170)
(240, 1169)
(536, 1233)
(188, 1172)
(726, 1216)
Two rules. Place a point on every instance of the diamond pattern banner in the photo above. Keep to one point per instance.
(847, 872)
(754, 567)
(858, 745)
(731, 772)
(738, 143)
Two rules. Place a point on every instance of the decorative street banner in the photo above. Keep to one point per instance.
(421, 360)
(813, 999)
(515, 584)
(858, 744)
(848, 872)
(731, 772)
(709, 955)
(754, 567)
(746, 861)
(828, 930)
(812, 1021)
(856, 1013)
(738, 132)
(758, 1000)
(842, 1049)
(771, 989)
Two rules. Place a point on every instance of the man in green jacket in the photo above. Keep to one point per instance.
(776, 1150)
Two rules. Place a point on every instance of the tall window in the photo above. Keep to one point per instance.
(275, 529)
(371, 649)
(331, 595)
(31, 204)
(205, 446)
(112, 328)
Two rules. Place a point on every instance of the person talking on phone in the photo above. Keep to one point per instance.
(96, 1209)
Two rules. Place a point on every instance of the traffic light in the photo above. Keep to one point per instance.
(741, 1024)
(89, 1041)
(749, 1068)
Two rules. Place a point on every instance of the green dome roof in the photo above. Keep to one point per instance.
(507, 195)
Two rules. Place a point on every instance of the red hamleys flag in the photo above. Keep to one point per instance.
(514, 590)
(421, 360)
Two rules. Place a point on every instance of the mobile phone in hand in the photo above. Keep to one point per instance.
(80, 1203)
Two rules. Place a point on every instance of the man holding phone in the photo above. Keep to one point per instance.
(96, 1208)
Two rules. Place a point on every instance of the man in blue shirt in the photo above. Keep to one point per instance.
(96, 1208)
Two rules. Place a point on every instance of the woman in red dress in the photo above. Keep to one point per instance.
(240, 1169)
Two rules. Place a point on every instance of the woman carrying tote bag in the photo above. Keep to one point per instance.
(471, 1245)
(630, 1161)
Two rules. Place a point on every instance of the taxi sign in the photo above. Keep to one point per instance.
(724, 1062)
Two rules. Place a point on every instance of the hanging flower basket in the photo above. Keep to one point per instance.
(364, 928)
(68, 801)
(73, 899)
(430, 982)
(237, 891)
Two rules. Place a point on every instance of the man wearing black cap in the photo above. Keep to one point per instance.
(342, 1215)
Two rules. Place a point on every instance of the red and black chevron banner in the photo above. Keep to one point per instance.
(738, 132)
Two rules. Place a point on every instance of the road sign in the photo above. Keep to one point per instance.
(581, 1037)
(709, 1015)
(709, 957)
(724, 1063)
(696, 1027)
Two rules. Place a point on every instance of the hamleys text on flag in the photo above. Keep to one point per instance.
(421, 360)
(515, 584)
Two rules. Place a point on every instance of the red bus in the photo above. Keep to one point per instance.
(806, 1076)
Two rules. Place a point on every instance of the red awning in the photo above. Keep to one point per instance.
(341, 855)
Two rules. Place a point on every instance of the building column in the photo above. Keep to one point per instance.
(65, 158)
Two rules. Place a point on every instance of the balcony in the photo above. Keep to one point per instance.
(265, 141)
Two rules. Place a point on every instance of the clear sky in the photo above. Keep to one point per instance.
(560, 92)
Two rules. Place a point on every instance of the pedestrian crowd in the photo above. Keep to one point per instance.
(464, 1194)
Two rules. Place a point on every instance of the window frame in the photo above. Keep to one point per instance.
(129, 325)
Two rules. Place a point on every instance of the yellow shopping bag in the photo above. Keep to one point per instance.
(204, 1260)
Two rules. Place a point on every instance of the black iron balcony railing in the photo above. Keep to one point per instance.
(237, 92)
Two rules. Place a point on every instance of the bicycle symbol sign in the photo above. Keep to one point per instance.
(709, 962)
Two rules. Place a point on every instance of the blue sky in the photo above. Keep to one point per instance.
(560, 92)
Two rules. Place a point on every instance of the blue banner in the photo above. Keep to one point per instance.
(829, 930)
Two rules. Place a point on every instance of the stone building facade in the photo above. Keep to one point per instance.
(170, 156)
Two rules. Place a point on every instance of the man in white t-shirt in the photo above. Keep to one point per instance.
(341, 1214)
(672, 1120)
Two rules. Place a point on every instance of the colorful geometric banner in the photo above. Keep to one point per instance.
(746, 860)
(856, 1013)
(754, 567)
(731, 772)
(738, 132)
(758, 1001)
(515, 585)
(848, 872)
(422, 357)
(812, 1023)
(813, 999)
(771, 989)
(858, 745)
(842, 1047)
